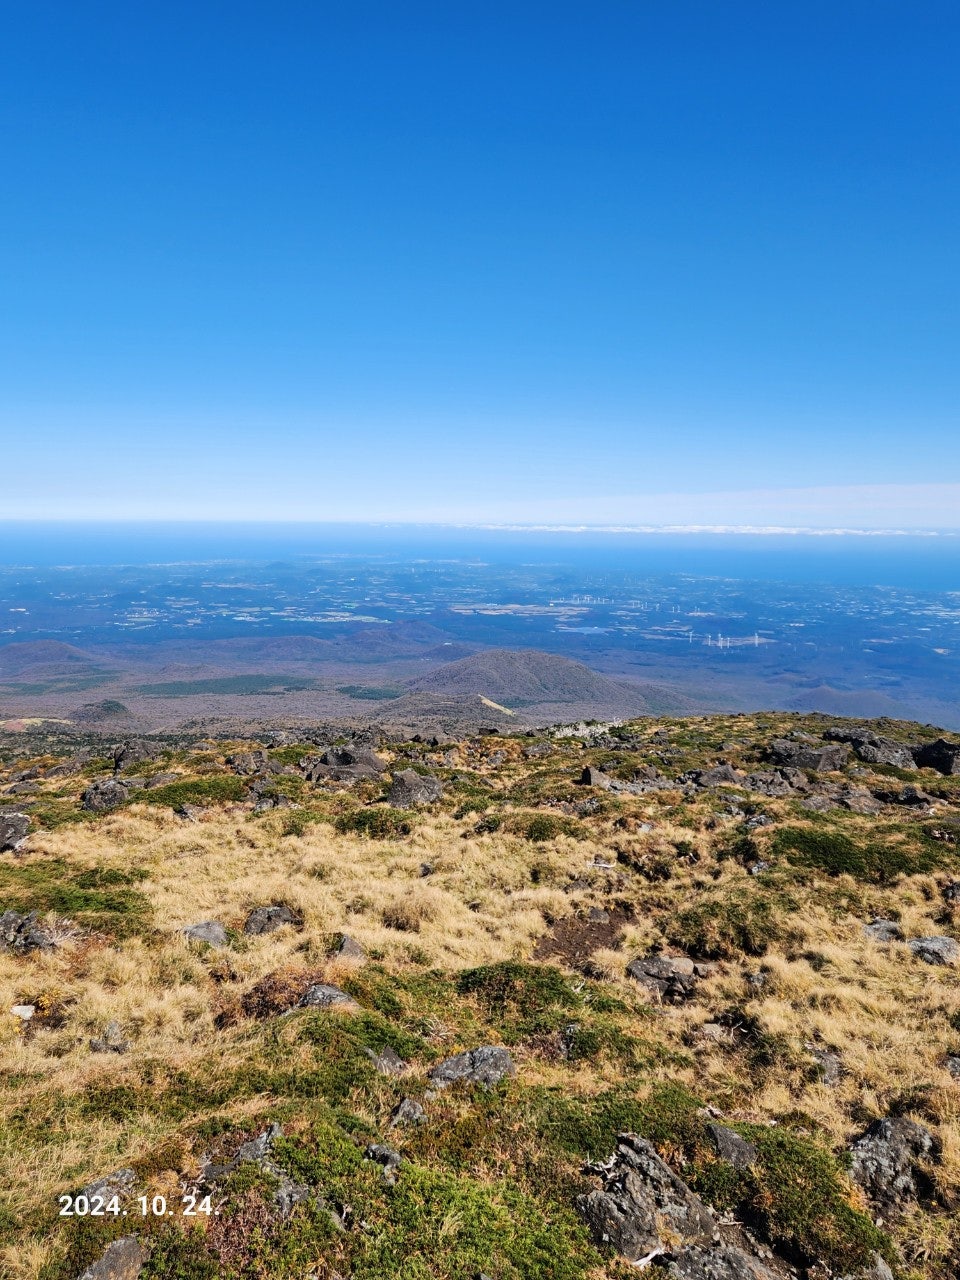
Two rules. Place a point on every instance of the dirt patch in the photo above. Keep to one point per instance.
(574, 939)
(274, 994)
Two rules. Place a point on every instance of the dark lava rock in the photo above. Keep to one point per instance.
(721, 775)
(775, 782)
(720, 1263)
(952, 1063)
(885, 1163)
(859, 800)
(410, 789)
(134, 752)
(804, 755)
(122, 1259)
(13, 829)
(935, 950)
(941, 755)
(21, 933)
(642, 1203)
(873, 749)
(731, 1147)
(267, 919)
(389, 1160)
(671, 979)
(883, 931)
(951, 891)
(407, 1111)
(249, 763)
(119, 1183)
(911, 796)
(593, 777)
(210, 932)
(259, 1151)
(353, 756)
(486, 1065)
(386, 1062)
(107, 794)
(323, 996)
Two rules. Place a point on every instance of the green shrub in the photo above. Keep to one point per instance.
(728, 923)
(221, 788)
(837, 854)
(99, 899)
(378, 823)
(520, 999)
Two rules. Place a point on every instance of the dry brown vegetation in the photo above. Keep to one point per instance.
(793, 969)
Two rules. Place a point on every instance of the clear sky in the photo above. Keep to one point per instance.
(639, 261)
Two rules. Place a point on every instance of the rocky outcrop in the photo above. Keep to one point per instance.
(941, 755)
(410, 789)
(721, 1263)
(874, 749)
(267, 919)
(108, 793)
(13, 829)
(324, 996)
(886, 1162)
(821, 758)
(21, 933)
(134, 752)
(936, 950)
(487, 1065)
(731, 1147)
(643, 1207)
(260, 1151)
(122, 1259)
(670, 979)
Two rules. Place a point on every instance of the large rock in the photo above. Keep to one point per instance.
(21, 933)
(935, 950)
(324, 996)
(670, 979)
(410, 789)
(720, 1263)
(941, 755)
(730, 1147)
(886, 1163)
(873, 749)
(210, 932)
(269, 918)
(122, 1259)
(134, 752)
(104, 795)
(13, 829)
(880, 930)
(806, 755)
(360, 759)
(487, 1065)
(643, 1206)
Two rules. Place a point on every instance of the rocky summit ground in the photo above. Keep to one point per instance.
(675, 995)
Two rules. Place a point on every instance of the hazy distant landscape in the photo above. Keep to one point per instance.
(546, 633)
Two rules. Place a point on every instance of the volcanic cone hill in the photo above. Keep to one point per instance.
(676, 995)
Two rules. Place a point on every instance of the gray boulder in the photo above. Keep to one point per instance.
(407, 1111)
(670, 979)
(873, 749)
(259, 1151)
(880, 930)
(210, 932)
(594, 777)
(119, 1183)
(952, 1063)
(410, 789)
(349, 949)
(886, 1163)
(21, 933)
(487, 1065)
(935, 950)
(388, 1159)
(324, 996)
(720, 1263)
(134, 752)
(111, 1041)
(643, 1206)
(269, 918)
(104, 795)
(730, 1147)
(941, 755)
(13, 829)
(386, 1061)
(122, 1259)
(829, 1065)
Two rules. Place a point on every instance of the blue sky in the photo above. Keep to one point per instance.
(633, 262)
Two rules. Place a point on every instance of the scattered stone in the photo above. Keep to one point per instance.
(758, 868)
(671, 979)
(643, 1205)
(387, 1062)
(249, 763)
(952, 1063)
(941, 755)
(21, 933)
(210, 932)
(353, 756)
(349, 949)
(720, 1263)
(426, 869)
(410, 789)
(859, 800)
(119, 1183)
(829, 1064)
(730, 1147)
(287, 1194)
(951, 891)
(13, 829)
(885, 1163)
(189, 812)
(487, 1065)
(324, 996)
(102, 796)
(110, 1041)
(122, 1259)
(407, 1111)
(386, 1157)
(721, 775)
(883, 930)
(935, 950)
(269, 918)
(23, 1011)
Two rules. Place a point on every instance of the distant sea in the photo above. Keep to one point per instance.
(923, 563)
